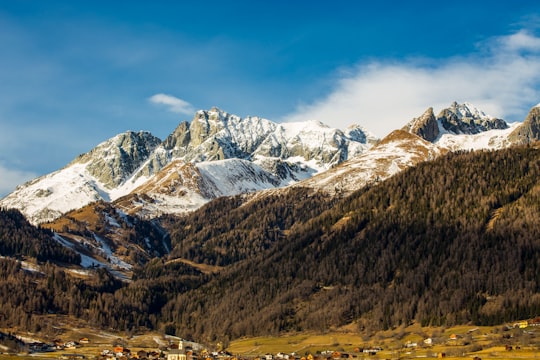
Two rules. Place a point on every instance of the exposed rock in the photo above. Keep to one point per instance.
(114, 160)
(529, 131)
(425, 126)
(466, 119)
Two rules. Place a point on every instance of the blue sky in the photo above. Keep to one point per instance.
(75, 73)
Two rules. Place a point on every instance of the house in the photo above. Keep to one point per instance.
(177, 354)
(71, 345)
(372, 351)
(72, 356)
(59, 344)
(118, 350)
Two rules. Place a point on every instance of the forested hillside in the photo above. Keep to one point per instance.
(19, 238)
(233, 229)
(456, 240)
(451, 241)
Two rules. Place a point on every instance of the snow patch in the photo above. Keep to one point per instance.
(492, 139)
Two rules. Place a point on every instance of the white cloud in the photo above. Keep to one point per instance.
(503, 79)
(173, 103)
(522, 40)
(10, 178)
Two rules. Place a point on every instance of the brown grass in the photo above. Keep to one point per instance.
(204, 268)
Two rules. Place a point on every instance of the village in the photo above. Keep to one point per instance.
(518, 338)
(178, 350)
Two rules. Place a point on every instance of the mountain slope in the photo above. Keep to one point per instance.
(529, 131)
(183, 187)
(450, 241)
(447, 242)
(90, 177)
(396, 152)
(18, 238)
(107, 237)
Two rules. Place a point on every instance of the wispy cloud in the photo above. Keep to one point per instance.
(10, 178)
(173, 104)
(502, 78)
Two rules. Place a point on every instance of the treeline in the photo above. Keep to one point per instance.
(19, 238)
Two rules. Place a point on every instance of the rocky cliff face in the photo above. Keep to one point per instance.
(114, 160)
(215, 135)
(425, 126)
(467, 119)
(529, 131)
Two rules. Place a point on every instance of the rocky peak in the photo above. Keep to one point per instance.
(468, 110)
(360, 134)
(179, 138)
(425, 126)
(467, 119)
(114, 160)
(202, 126)
(529, 131)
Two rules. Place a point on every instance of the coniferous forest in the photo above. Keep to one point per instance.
(451, 241)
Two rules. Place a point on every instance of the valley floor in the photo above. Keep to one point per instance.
(500, 342)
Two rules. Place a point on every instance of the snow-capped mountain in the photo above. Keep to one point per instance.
(462, 127)
(396, 152)
(458, 127)
(217, 135)
(468, 119)
(458, 119)
(215, 154)
(90, 177)
(219, 154)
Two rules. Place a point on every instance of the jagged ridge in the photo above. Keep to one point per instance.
(246, 155)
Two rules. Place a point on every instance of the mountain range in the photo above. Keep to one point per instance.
(302, 217)
(450, 241)
(220, 154)
(216, 154)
